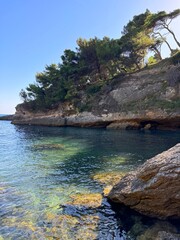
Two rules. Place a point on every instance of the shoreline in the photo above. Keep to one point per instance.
(145, 120)
(8, 117)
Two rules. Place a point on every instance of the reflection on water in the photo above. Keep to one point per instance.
(52, 179)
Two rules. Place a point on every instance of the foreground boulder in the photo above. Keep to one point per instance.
(154, 188)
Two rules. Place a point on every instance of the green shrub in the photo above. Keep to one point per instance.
(85, 107)
(92, 89)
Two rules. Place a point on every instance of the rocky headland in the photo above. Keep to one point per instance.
(7, 117)
(147, 99)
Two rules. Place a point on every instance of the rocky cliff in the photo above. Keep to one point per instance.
(145, 99)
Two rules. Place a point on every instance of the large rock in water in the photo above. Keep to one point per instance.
(154, 188)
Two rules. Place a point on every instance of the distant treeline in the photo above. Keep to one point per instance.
(97, 61)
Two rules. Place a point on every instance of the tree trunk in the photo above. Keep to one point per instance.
(158, 53)
(178, 43)
(163, 38)
(171, 50)
(137, 65)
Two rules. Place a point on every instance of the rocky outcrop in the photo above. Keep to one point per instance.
(7, 117)
(154, 188)
(147, 99)
(86, 119)
(125, 120)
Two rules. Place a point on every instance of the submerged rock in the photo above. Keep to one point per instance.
(54, 226)
(108, 178)
(163, 235)
(21, 224)
(155, 232)
(92, 200)
(124, 125)
(71, 227)
(53, 146)
(154, 188)
(137, 229)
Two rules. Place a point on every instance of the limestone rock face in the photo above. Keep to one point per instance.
(154, 188)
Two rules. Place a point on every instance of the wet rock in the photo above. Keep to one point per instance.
(154, 188)
(124, 125)
(109, 179)
(107, 190)
(147, 126)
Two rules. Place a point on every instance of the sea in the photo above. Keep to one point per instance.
(52, 181)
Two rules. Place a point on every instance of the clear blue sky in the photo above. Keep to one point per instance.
(36, 32)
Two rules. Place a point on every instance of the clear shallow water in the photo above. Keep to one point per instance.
(41, 168)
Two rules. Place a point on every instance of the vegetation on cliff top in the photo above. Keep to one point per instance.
(96, 62)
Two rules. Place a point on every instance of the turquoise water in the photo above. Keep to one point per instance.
(42, 169)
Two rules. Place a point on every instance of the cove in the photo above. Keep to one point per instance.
(46, 173)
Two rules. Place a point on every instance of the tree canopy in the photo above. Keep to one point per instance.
(95, 62)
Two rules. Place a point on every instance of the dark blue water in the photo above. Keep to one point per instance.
(43, 168)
